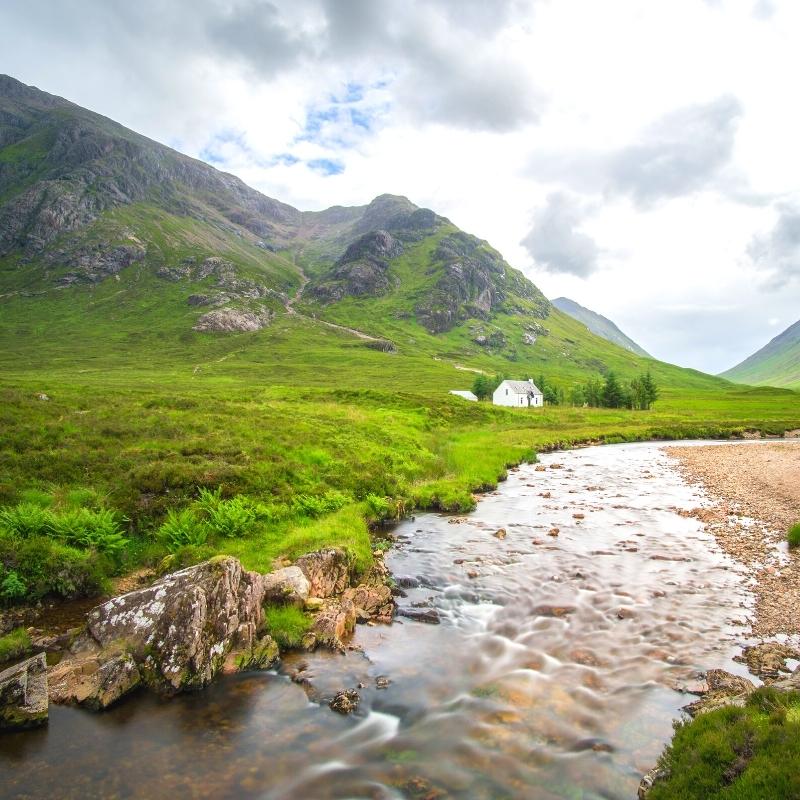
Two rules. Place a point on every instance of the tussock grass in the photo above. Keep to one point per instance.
(287, 625)
(793, 536)
(748, 753)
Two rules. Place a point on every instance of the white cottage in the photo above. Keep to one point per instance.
(518, 394)
(465, 395)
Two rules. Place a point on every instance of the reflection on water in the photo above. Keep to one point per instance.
(552, 675)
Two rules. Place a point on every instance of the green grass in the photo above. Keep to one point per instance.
(14, 645)
(749, 753)
(793, 536)
(287, 625)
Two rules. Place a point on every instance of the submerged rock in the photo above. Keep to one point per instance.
(23, 694)
(345, 702)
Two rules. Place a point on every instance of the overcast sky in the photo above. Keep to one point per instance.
(637, 156)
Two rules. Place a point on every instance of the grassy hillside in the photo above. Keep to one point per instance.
(775, 364)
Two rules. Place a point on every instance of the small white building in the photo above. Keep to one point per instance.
(518, 394)
(465, 395)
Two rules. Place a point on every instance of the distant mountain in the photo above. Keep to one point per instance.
(115, 248)
(775, 364)
(599, 325)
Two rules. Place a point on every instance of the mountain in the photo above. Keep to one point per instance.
(775, 364)
(119, 252)
(598, 324)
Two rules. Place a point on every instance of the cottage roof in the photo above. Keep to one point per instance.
(521, 387)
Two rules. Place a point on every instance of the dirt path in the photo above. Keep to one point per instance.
(755, 491)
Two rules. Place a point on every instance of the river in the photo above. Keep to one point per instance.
(555, 672)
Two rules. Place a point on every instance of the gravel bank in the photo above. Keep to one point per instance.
(754, 494)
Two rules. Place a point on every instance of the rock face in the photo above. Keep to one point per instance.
(475, 283)
(23, 695)
(173, 636)
(363, 270)
(327, 571)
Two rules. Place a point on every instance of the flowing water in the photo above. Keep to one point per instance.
(555, 671)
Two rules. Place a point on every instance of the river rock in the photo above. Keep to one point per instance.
(428, 615)
(262, 655)
(767, 660)
(95, 681)
(333, 626)
(287, 585)
(345, 702)
(649, 780)
(23, 694)
(371, 602)
(180, 630)
(327, 571)
(724, 689)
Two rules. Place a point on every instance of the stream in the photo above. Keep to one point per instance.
(555, 672)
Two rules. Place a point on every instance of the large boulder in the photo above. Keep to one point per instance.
(327, 571)
(172, 636)
(23, 694)
(333, 626)
(181, 628)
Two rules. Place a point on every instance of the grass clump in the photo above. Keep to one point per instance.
(14, 645)
(745, 753)
(793, 536)
(287, 625)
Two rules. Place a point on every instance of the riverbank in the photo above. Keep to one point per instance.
(754, 495)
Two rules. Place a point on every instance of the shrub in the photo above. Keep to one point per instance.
(81, 527)
(234, 517)
(36, 497)
(24, 520)
(318, 505)
(45, 566)
(182, 529)
(793, 537)
(287, 625)
(14, 645)
(12, 587)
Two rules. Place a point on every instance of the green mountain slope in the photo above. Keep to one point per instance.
(775, 364)
(117, 251)
(598, 324)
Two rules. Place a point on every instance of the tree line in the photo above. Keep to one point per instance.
(640, 393)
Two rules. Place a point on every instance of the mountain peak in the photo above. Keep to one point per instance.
(598, 324)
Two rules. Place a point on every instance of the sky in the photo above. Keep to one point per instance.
(636, 156)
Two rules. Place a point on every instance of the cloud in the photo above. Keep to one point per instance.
(778, 251)
(764, 9)
(555, 242)
(682, 152)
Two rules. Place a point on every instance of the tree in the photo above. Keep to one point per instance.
(577, 395)
(594, 393)
(613, 393)
(482, 387)
(650, 389)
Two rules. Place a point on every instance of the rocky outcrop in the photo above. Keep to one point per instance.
(96, 262)
(23, 695)
(172, 636)
(363, 270)
(476, 282)
(768, 660)
(233, 320)
(327, 571)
